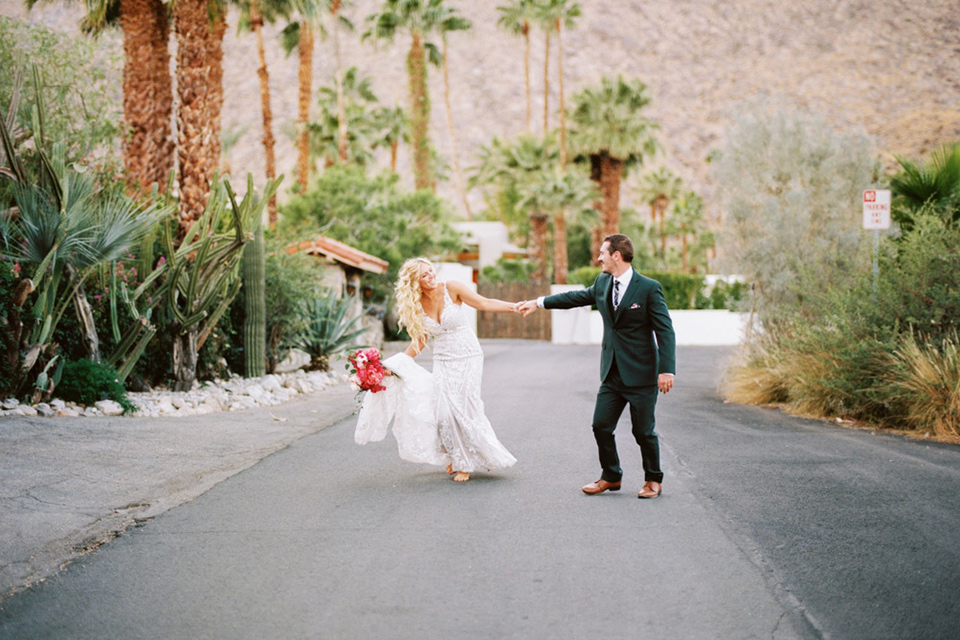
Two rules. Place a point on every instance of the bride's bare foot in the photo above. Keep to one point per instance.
(462, 476)
(450, 470)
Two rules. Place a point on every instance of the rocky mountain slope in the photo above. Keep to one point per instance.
(890, 68)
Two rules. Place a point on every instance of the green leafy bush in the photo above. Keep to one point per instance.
(374, 215)
(679, 289)
(723, 295)
(86, 382)
(507, 271)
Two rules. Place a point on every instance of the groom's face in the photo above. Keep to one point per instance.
(606, 260)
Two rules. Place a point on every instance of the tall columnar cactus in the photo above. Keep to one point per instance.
(255, 304)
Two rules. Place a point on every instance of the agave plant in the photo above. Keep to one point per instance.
(330, 330)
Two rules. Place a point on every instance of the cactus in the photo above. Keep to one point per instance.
(255, 305)
(203, 273)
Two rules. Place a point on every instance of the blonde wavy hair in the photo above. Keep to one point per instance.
(408, 293)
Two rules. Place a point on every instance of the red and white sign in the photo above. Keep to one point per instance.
(876, 209)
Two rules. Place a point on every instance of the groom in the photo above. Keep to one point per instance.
(633, 365)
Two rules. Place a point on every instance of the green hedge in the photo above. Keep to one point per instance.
(680, 290)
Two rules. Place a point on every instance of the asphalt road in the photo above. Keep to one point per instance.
(768, 527)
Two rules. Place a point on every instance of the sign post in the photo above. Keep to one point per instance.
(876, 216)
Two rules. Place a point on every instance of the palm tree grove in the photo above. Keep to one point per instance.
(198, 190)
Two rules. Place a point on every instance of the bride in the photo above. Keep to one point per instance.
(437, 418)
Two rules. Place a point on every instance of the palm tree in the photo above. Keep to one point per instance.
(562, 193)
(556, 14)
(148, 146)
(658, 189)
(453, 22)
(516, 18)
(688, 214)
(510, 169)
(344, 110)
(420, 19)
(255, 12)
(394, 126)
(199, 26)
(609, 130)
(935, 185)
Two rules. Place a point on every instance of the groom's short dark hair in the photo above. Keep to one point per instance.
(621, 243)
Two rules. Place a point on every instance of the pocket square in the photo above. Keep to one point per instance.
(635, 306)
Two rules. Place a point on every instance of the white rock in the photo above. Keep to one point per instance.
(270, 382)
(163, 408)
(44, 410)
(56, 404)
(109, 407)
(294, 360)
(68, 412)
(27, 410)
(11, 403)
(178, 402)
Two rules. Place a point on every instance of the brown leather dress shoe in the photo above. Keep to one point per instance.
(650, 490)
(600, 486)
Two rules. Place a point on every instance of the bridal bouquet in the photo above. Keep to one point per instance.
(366, 370)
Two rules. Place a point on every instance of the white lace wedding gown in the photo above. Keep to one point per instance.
(437, 418)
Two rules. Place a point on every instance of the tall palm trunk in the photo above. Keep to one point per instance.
(546, 83)
(147, 93)
(538, 238)
(197, 105)
(256, 23)
(606, 171)
(419, 114)
(526, 72)
(457, 175)
(342, 141)
(563, 109)
(305, 91)
(218, 29)
(560, 248)
(611, 172)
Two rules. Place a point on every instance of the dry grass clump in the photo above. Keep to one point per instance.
(753, 377)
(925, 382)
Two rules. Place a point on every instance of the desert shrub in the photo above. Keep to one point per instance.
(791, 191)
(86, 382)
(81, 84)
(886, 357)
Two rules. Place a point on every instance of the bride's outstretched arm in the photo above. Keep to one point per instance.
(462, 293)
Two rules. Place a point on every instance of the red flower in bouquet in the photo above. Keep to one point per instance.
(366, 370)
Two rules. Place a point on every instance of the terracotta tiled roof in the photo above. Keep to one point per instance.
(342, 253)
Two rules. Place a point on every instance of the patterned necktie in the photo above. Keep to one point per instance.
(616, 294)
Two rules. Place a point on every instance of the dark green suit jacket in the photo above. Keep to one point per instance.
(628, 332)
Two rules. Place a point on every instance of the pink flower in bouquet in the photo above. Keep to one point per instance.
(366, 370)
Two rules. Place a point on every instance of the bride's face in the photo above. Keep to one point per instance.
(428, 278)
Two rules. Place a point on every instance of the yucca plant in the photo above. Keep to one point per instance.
(330, 330)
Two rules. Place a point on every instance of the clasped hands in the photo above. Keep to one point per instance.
(525, 307)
